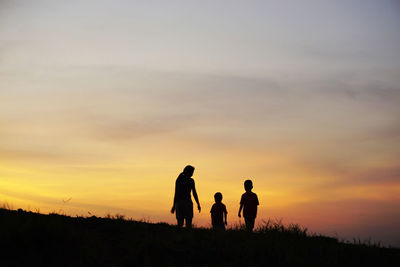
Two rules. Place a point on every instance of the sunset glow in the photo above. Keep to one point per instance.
(103, 103)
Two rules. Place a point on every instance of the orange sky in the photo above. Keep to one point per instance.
(106, 109)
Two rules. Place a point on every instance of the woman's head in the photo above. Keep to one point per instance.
(188, 171)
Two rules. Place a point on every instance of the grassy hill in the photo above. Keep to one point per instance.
(33, 239)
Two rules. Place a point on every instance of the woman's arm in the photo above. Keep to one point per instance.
(196, 197)
(173, 204)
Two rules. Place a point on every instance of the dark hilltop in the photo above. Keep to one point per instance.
(33, 239)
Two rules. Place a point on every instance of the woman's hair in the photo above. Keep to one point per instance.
(188, 169)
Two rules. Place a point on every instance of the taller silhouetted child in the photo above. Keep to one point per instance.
(249, 203)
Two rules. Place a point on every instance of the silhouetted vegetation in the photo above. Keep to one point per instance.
(30, 239)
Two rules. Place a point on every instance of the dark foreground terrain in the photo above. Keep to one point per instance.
(32, 239)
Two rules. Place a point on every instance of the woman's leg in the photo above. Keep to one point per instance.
(180, 221)
(189, 222)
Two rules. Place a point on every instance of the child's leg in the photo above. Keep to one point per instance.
(249, 223)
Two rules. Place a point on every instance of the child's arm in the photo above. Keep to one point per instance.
(226, 213)
(240, 210)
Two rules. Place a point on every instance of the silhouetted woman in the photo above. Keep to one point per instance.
(183, 205)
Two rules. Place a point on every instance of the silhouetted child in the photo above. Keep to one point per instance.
(218, 213)
(249, 203)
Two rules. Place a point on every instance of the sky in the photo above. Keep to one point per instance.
(103, 103)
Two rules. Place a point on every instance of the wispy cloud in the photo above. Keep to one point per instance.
(305, 100)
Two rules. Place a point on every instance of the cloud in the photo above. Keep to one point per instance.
(389, 176)
(120, 130)
(352, 218)
(122, 103)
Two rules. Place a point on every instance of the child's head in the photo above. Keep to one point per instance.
(218, 197)
(188, 171)
(248, 185)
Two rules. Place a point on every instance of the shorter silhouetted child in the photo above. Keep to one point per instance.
(249, 203)
(218, 213)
